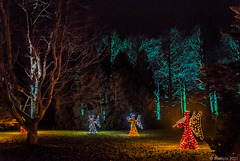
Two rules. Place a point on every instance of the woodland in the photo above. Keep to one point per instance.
(60, 62)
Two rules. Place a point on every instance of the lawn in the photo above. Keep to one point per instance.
(106, 145)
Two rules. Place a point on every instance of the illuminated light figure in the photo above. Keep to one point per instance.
(188, 140)
(133, 130)
(92, 122)
(22, 130)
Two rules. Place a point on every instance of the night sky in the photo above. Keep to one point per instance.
(154, 17)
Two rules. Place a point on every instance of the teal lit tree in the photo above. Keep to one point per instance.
(116, 45)
(131, 46)
(230, 49)
(157, 91)
(158, 65)
(112, 42)
(173, 51)
(188, 72)
(228, 53)
(175, 63)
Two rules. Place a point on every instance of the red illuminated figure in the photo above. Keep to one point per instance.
(188, 140)
(22, 130)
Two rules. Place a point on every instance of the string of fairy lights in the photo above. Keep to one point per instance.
(190, 125)
(195, 124)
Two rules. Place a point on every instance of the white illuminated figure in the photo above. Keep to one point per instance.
(92, 122)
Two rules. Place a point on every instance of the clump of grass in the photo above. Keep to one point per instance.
(106, 145)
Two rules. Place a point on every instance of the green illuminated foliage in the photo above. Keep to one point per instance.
(155, 56)
(185, 69)
(230, 50)
(152, 47)
(131, 46)
(116, 45)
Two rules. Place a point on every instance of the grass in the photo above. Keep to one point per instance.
(106, 145)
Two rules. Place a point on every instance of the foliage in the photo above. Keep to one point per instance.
(225, 79)
(116, 45)
(63, 113)
(229, 50)
(73, 107)
(6, 119)
(120, 81)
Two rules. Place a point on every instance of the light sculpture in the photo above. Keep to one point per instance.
(188, 140)
(92, 122)
(133, 121)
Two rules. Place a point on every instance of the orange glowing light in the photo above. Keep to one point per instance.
(133, 131)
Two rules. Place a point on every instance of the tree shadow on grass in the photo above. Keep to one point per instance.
(21, 152)
(64, 152)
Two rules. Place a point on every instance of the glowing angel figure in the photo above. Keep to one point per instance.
(92, 122)
(188, 140)
(22, 130)
(133, 130)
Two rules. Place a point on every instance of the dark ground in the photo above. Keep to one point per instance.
(106, 145)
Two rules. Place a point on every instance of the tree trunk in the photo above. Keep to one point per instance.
(182, 101)
(184, 98)
(215, 103)
(211, 102)
(32, 137)
(169, 81)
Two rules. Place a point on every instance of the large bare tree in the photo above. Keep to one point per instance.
(48, 57)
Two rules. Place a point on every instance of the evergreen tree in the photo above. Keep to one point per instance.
(230, 50)
(173, 52)
(121, 89)
(225, 78)
(158, 65)
(188, 71)
(116, 45)
(131, 46)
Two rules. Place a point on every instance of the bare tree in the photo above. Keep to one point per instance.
(53, 49)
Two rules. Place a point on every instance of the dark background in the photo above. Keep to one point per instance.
(153, 17)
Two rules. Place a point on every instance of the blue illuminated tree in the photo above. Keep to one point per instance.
(158, 65)
(188, 71)
(230, 50)
(111, 42)
(175, 62)
(173, 51)
(227, 52)
(131, 45)
(116, 45)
